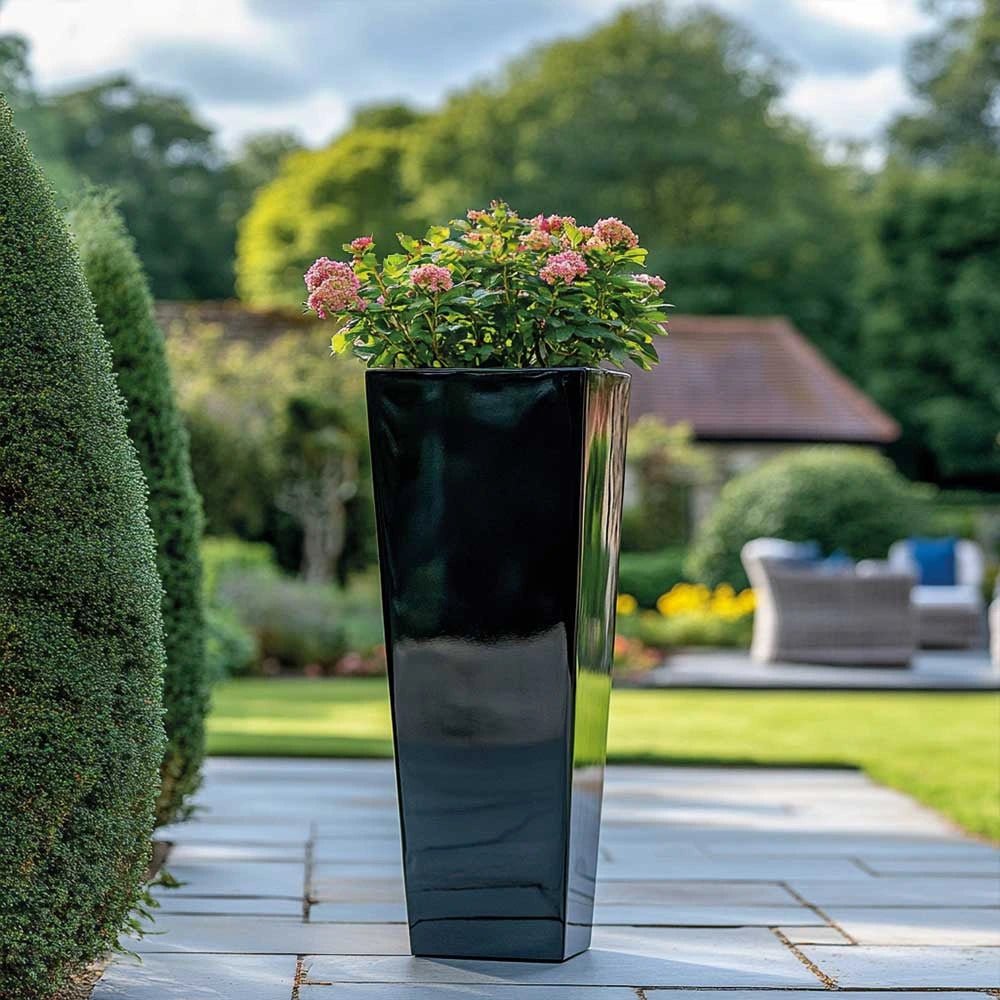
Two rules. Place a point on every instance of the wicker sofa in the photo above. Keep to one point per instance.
(947, 617)
(805, 615)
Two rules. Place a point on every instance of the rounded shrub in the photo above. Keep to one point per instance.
(81, 654)
(851, 499)
(125, 311)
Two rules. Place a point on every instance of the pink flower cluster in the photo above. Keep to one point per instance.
(361, 244)
(551, 223)
(431, 278)
(537, 239)
(614, 233)
(333, 287)
(566, 266)
(654, 281)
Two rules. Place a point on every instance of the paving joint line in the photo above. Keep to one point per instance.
(300, 975)
(829, 982)
(822, 914)
(307, 874)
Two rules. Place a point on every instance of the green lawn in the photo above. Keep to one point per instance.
(943, 749)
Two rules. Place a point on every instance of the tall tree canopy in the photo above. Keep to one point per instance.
(320, 200)
(666, 121)
(955, 73)
(931, 335)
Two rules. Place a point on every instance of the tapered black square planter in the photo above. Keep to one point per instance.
(498, 502)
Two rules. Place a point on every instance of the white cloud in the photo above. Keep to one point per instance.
(326, 56)
(844, 107)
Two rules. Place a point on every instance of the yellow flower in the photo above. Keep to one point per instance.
(627, 604)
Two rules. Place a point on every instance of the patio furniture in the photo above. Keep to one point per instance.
(806, 614)
(994, 617)
(949, 616)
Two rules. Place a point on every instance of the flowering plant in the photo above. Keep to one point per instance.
(494, 291)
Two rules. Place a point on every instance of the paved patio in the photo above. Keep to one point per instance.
(931, 670)
(743, 884)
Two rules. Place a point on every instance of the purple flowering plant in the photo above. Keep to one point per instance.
(494, 290)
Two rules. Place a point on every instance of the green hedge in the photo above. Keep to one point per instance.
(647, 575)
(845, 498)
(81, 654)
(125, 311)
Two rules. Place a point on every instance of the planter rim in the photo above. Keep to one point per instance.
(500, 371)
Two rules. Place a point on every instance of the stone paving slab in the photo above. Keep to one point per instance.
(930, 670)
(861, 966)
(199, 977)
(911, 891)
(626, 915)
(713, 882)
(254, 906)
(814, 934)
(239, 878)
(938, 926)
(980, 865)
(239, 935)
(664, 956)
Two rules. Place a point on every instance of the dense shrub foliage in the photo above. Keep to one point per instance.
(931, 337)
(124, 309)
(649, 575)
(250, 449)
(844, 498)
(81, 654)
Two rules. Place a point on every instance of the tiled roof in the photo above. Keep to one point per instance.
(743, 378)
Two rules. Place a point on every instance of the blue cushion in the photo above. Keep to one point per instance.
(935, 559)
(837, 562)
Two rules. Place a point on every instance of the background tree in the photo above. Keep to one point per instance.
(320, 200)
(320, 478)
(932, 329)
(672, 122)
(150, 147)
(81, 654)
(125, 311)
(955, 73)
(931, 336)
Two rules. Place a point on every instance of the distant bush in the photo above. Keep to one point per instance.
(125, 312)
(691, 615)
(647, 575)
(694, 628)
(843, 498)
(81, 651)
(227, 556)
(230, 647)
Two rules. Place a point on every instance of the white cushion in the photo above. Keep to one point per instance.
(960, 596)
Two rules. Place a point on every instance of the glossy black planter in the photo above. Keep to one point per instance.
(498, 501)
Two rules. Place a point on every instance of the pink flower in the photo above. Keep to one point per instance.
(537, 239)
(361, 244)
(475, 214)
(566, 266)
(320, 271)
(552, 223)
(654, 281)
(615, 233)
(431, 278)
(333, 287)
(381, 300)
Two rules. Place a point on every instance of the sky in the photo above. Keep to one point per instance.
(257, 65)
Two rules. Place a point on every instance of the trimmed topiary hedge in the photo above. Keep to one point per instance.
(125, 311)
(81, 654)
(851, 499)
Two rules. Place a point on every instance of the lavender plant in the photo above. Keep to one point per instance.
(495, 291)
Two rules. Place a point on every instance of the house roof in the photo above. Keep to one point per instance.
(741, 378)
